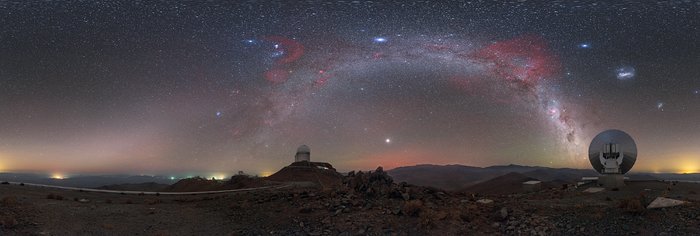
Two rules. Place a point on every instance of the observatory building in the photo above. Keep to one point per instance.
(612, 153)
(303, 170)
(303, 159)
(303, 154)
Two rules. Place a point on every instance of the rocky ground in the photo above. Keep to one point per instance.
(364, 204)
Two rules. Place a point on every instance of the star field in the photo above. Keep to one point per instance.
(216, 87)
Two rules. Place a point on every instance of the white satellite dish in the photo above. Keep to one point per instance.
(612, 153)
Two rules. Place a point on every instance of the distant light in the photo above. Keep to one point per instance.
(218, 177)
(387, 141)
(380, 40)
(584, 45)
(57, 176)
(265, 173)
(172, 177)
(218, 114)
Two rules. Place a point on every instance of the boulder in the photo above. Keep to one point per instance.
(662, 202)
(593, 190)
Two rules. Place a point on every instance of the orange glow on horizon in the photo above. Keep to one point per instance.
(682, 163)
(58, 176)
(688, 164)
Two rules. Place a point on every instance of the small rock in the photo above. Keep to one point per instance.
(83, 200)
(504, 213)
(305, 210)
(405, 196)
(485, 201)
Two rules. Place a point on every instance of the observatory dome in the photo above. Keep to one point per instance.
(303, 154)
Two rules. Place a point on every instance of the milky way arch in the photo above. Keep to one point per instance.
(521, 71)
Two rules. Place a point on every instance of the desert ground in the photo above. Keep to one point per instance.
(363, 204)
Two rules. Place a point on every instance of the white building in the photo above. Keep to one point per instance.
(303, 154)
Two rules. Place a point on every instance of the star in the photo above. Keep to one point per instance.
(387, 140)
(584, 45)
(219, 114)
(660, 106)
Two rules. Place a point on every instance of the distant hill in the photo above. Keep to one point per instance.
(505, 184)
(197, 184)
(448, 177)
(85, 181)
(325, 176)
(458, 177)
(146, 187)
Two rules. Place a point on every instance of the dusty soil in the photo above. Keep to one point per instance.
(366, 204)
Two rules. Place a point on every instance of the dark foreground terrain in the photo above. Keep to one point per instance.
(364, 204)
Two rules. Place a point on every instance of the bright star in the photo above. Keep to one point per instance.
(218, 114)
(584, 45)
(387, 141)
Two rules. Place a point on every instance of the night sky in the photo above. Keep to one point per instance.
(169, 87)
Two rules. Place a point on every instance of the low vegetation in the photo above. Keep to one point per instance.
(54, 196)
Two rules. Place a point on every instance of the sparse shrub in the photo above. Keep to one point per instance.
(107, 226)
(5, 182)
(21, 184)
(158, 194)
(8, 201)
(465, 216)
(141, 194)
(615, 189)
(8, 222)
(633, 205)
(153, 201)
(413, 207)
(429, 218)
(51, 196)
